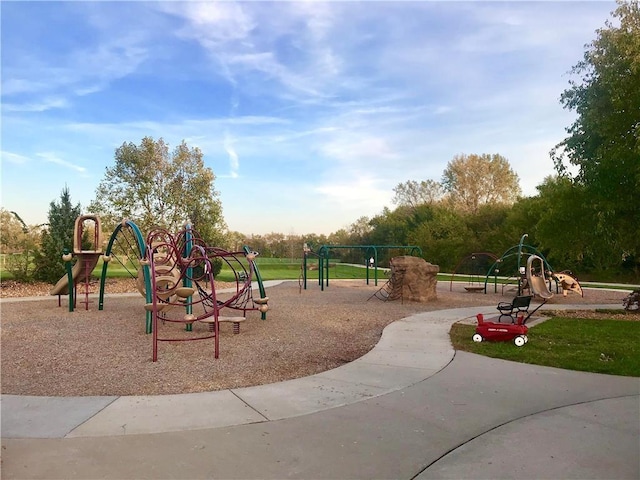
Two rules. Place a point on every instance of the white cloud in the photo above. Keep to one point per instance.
(42, 106)
(362, 149)
(13, 158)
(234, 160)
(211, 23)
(53, 158)
(355, 192)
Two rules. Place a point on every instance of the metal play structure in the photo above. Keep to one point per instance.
(512, 265)
(517, 310)
(175, 275)
(370, 253)
(87, 249)
(509, 271)
(173, 271)
(473, 267)
(128, 247)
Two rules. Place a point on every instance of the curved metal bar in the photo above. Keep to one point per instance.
(141, 252)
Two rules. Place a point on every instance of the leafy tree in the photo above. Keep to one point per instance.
(604, 140)
(412, 193)
(59, 236)
(487, 228)
(12, 228)
(313, 240)
(475, 180)
(154, 187)
(235, 241)
(572, 233)
(18, 244)
(390, 227)
(359, 231)
(444, 238)
(340, 237)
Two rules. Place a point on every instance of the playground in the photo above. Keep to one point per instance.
(47, 350)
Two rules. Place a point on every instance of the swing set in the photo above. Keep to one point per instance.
(370, 253)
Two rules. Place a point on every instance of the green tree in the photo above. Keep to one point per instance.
(487, 229)
(573, 234)
(604, 140)
(58, 237)
(474, 180)
(154, 187)
(443, 237)
(19, 244)
(359, 231)
(390, 227)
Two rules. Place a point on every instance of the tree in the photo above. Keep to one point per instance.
(359, 231)
(18, 244)
(571, 231)
(13, 228)
(475, 180)
(154, 187)
(390, 227)
(604, 140)
(412, 193)
(444, 237)
(57, 238)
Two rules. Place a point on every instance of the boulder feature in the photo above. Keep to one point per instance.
(412, 279)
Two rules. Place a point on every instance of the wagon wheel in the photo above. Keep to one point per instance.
(477, 337)
(519, 341)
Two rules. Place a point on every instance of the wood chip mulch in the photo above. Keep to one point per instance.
(47, 350)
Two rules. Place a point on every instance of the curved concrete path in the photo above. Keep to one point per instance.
(410, 408)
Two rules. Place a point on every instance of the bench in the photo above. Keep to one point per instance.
(512, 309)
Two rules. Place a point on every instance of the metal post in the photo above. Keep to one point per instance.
(186, 282)
(519, 258)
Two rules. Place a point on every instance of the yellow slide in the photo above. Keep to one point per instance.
(84, 266)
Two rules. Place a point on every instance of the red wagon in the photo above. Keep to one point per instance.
(501, 332)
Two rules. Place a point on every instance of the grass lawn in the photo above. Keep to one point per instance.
(292, 271)
(591, 345)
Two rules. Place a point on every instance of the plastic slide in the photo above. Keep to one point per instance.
(86, 262)
(537, 283)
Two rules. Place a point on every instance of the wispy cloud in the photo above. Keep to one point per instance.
(359, 193)
(36, 79)
(14, 158)
(42, 106)
(234, 160)
(53, 158)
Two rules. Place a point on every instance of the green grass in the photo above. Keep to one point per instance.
(292, 271)
(599, 346)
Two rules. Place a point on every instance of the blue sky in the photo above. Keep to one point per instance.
(308, 113)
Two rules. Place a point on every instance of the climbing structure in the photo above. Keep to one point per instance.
(176, 277)
(87, 249)
(411, 278)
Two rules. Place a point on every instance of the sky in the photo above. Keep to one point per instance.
(309, 113)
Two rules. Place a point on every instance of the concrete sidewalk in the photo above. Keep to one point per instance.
(410, 408)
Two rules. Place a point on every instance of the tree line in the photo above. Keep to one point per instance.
(585, 218)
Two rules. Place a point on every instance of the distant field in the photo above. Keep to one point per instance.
(291, 269)
(284, 269)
